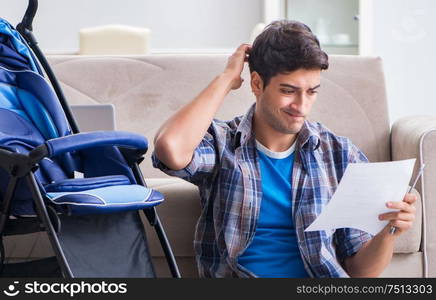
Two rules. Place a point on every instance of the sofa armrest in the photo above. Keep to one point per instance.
(415, 137)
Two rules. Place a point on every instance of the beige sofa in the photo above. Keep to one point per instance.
(352, 102)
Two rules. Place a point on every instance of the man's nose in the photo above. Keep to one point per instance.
(298, 104)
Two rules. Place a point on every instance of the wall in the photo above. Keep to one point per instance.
(405, 38)
(404, 34)
(187, 24)
(336, 20)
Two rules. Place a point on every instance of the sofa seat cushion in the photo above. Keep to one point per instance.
(179, 214)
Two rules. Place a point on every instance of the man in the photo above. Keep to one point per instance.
(265, 177)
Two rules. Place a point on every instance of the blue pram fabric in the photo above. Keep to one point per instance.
(13, 49)
(31, 116)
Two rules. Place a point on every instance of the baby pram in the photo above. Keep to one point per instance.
(92, 221)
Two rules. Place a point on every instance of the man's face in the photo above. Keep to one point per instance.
(287, 99)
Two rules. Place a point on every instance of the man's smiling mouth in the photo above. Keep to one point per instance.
(297, 117)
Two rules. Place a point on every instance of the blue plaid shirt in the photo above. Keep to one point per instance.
(225, 167)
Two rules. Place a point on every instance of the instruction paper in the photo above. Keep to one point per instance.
(362, 195)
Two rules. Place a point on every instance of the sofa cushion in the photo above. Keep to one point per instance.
(405, 265)
(179, 214)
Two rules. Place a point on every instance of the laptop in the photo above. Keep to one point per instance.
(94, 117)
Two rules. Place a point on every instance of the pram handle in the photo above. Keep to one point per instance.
(82, 141)
(27, 21)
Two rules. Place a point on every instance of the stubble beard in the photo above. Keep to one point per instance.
(275, 119)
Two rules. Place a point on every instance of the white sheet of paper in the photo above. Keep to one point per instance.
(362, 195)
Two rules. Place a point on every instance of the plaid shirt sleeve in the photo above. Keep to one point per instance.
(349, 240)
(202, 163)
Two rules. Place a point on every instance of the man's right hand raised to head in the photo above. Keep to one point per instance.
(178, 137)
(235, 65)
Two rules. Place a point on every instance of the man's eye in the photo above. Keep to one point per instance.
(287, 91)
(312, 92)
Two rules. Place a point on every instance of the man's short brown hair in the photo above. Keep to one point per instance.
(285, 46)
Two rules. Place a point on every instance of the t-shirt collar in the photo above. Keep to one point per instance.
(275, 154)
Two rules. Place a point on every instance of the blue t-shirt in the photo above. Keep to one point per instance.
(274, 250)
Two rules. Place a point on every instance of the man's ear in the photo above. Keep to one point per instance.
(256, 83)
